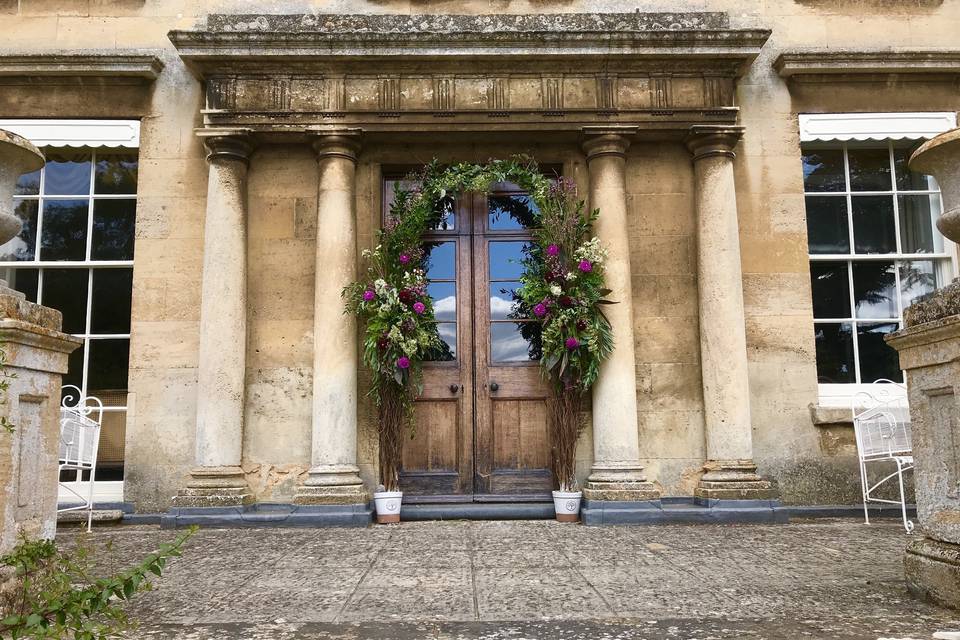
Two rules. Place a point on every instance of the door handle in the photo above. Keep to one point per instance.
(454, 388)
(494, 386)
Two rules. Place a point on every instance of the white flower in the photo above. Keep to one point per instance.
(555, 289)
(591, 251)
(571, 275)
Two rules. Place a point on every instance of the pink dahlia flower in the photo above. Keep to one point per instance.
(418, 308)
(369, 295)
(553, 250)
(572, 343)
(585, 266)
(404, 258)
(540, 310)
(403, 362)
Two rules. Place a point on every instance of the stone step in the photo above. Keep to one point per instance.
(99, 515)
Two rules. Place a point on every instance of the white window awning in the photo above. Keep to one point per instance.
(875, 126)
(77, 133)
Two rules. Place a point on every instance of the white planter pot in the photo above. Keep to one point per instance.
(567, 505)
(388, 506)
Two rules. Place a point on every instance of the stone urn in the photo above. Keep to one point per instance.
(17, 157)
(940, 158)
(929, 348)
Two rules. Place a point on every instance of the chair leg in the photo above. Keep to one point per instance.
(90, 502)
(903, 499)
(864, 490)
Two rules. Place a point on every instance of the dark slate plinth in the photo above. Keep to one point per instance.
(478, 511)
(269, 515)
(682, 511)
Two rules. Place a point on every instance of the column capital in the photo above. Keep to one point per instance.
(227, 144)
(344, 143)
(705, 140)
(606, 141)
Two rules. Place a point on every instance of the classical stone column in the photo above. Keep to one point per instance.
(730, 473)
(217, 480)
(617, 474)
(334, 476)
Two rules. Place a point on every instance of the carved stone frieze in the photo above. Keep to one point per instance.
(568, 70)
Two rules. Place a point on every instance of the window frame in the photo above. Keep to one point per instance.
(842, 394)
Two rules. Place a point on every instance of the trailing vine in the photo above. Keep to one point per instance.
(562, 290)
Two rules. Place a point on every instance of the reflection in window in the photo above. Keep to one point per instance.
(506, 212)
(874, 250)
(79, 212)
(515, 341)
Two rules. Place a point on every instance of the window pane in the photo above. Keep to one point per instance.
(834, 352)
(113, 222)
(115, 173)
(515, 341)
(505, 260)
(108, 365)
(28, 184)
(24, 281)
(908, 180)
(823, 170)
(875, 289)
(440, 260)
(917, 279)
(66, 291)
(64, 234)
(112, 439)
(504, 304)
(869, 169)
(67, 176)
(873, 226)
(444, 296)
(511, 212)
(448, 349)
(917, 216)
(110, 309)
(24, 245)
(445, 216)
(877, 358)
(74, 373)
(831, 289)
(827, 226)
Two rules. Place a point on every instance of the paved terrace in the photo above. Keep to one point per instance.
(524, 580)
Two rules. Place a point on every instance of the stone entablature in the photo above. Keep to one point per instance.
(280, 73)
(832, 65)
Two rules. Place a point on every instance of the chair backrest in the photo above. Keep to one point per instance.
(881, 421)
(80, 420)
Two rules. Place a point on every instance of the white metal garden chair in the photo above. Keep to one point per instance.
(881, 423)
(80, 420)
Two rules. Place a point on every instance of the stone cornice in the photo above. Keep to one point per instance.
(102, 65)
(604, 41)
(823, 65)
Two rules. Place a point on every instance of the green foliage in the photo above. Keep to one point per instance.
(54, 594)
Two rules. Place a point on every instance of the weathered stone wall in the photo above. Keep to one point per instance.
(172, 191)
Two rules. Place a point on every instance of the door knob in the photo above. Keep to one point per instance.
(454, 388)
(494, 386)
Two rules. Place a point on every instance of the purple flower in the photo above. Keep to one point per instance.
(572, 343)
(585, 266)
(404, 258)
(403, 362)
(553, 250)
(418, 308)
(540, 310)
(369, 295)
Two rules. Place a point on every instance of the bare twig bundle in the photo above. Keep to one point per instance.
(393, 419)
(566, 425)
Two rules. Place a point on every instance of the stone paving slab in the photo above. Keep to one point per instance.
(528, 580)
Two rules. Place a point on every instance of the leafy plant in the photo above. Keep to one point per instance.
(55, 595)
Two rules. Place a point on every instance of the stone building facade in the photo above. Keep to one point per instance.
(733, 148)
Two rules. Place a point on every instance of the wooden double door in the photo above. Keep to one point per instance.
(481, 421)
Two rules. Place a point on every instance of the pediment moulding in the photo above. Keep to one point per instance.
(842, 66)
(276, 72)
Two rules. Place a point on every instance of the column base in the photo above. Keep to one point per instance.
(215, 487)
(932, 569)
(733, 480)
(619, 483)
(332, 484)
